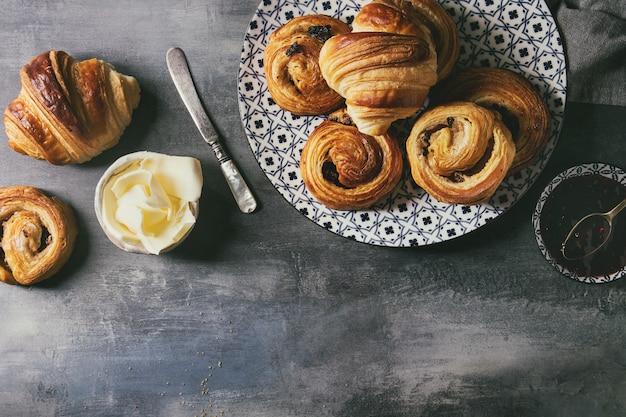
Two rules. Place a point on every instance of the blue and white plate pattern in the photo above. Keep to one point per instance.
(606, 170)
(520, 35)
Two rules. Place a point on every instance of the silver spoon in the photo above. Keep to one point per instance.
(590, 233)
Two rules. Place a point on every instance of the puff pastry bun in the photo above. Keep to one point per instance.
(349, 170)
(292, 69)
(37, 235)
(69, 111)
(522, 109)
(384, 68)
(460, 152)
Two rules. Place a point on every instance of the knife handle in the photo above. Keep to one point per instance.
(221, 154)
(239, 188)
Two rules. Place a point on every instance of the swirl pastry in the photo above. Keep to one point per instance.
(291, 65)
(38, 235)
(523, 110)
(349, 170)
(460, 152)
(384, 68)
(69, 111)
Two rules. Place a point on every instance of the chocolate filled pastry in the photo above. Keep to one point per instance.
(384, 68)
(291, 65)
(522, 109)
(69, 111)
(349, 170)
(37, 235)
(460, 152)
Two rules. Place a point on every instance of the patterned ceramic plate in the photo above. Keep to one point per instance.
(614, 173)
(520, 35)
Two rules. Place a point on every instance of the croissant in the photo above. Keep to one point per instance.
(523, 110)
(444, 32)
(37, 235)
(418, 18)
(349, 170)
(459, 152)
(291, 65)
(390, 16)
(384, 77)
(69, 111)
(384, 68)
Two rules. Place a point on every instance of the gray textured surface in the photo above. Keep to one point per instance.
(268, 314)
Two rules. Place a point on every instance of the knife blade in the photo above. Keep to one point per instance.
(181, 75)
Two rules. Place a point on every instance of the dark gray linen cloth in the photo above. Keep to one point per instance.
(594, 34)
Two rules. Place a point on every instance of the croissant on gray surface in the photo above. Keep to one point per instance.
(69, 111)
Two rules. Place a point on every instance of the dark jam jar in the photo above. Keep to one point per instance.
(573, 199)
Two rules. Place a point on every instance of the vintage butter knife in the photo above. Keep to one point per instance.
(179, 70)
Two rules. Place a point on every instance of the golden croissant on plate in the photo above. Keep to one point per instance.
(522, 109)
(346, 169)
(291, 65)
(384, 68)
(460, 152)
(37, 235)
(69, 111)
(414, 17)
(443, 31)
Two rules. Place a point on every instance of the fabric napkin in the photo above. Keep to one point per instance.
(594, 34)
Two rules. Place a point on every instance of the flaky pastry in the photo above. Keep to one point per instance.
(37, 235)
(460, 152)
(418, 18)
(346, 169)
(443, 31)
(384, 68)
(522, 109)
(292, 69)
(69, 111)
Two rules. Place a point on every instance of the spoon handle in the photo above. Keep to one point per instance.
(615, 210)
